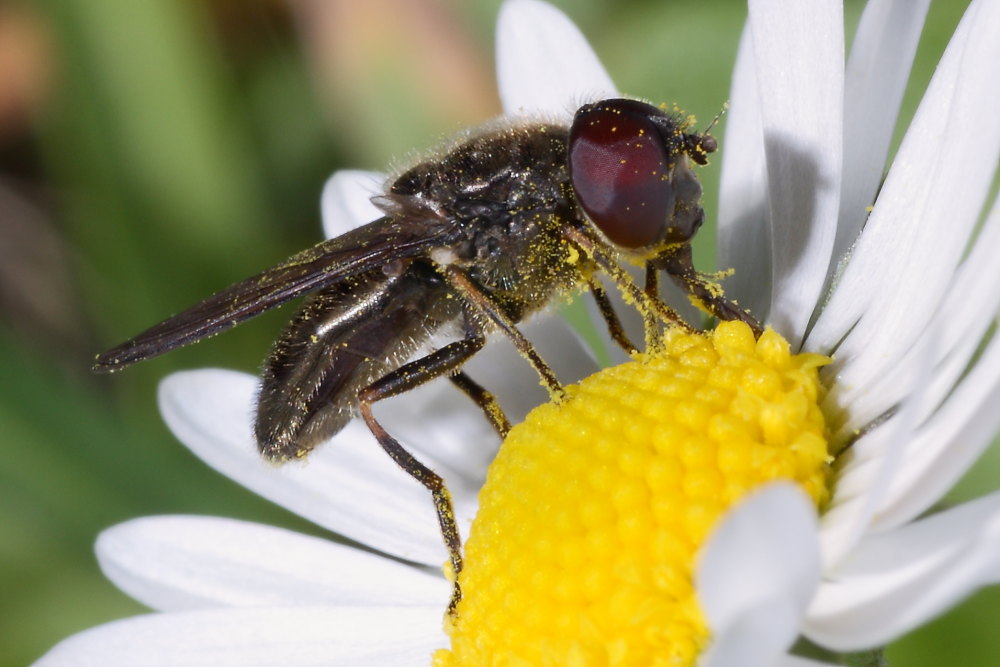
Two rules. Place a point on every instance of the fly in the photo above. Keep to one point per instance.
(474, 240)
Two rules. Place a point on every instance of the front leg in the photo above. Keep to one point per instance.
(679, 265)
(653, 311)
(611, 319)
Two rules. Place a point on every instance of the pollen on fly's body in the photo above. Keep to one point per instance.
(491, 229)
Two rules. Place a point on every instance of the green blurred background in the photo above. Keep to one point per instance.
(152, 152)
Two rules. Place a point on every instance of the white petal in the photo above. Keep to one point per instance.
(877, 70)
(799, 53)
(964, 317)
(926, 210)
(346, 200)
(744, 238)
(894, 582)
(944, 448)
(959, 326)
(347, 485)
(544, 64)
(756, 576)
(867, 471)
(184, 562)
(299, 637)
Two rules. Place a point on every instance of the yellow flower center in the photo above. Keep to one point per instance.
(594, 510)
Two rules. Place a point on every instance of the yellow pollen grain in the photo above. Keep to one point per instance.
(592, 514)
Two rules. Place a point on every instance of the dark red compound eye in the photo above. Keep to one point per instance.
(620, 165)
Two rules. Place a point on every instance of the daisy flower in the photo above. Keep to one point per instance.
(893, 279)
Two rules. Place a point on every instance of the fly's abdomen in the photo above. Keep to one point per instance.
(343, 339)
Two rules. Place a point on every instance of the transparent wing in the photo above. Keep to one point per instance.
(327, 263)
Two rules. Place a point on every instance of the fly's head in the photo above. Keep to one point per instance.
(629, 164)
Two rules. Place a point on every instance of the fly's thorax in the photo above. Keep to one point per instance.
(546, 267)
(507, 193)
(488, 177)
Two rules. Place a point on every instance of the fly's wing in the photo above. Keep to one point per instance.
(360, 250)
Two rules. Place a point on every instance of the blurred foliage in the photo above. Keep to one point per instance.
(152, 152)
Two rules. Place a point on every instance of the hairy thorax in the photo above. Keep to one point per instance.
(508, 193)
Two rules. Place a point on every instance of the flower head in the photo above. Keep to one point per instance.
(596, 506)
(901, 293)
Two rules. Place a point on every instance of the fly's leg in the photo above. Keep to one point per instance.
(409, 376)
(652, 310)
(615, 327)
(486, 401)
(652, 286)
(483, 303)
(680, 266)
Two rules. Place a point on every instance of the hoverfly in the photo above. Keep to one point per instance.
(473, 241)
